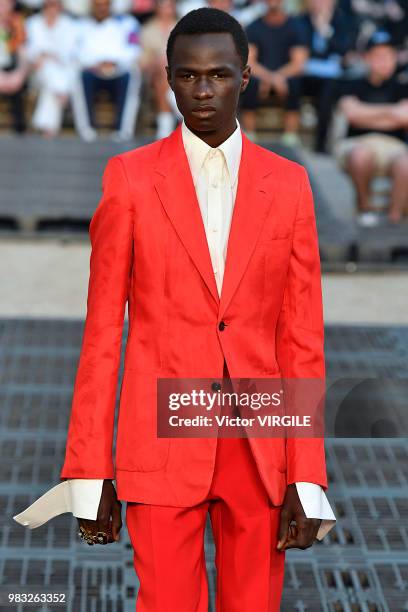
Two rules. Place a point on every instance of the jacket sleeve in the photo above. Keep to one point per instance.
(300, 334)
(90, 433)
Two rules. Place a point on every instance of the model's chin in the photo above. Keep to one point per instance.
(203, 121)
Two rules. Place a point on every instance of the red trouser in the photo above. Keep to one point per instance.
(168, 543)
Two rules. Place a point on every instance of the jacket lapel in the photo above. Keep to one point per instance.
(174, 185)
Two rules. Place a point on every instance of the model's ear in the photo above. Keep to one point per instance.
(246, 74)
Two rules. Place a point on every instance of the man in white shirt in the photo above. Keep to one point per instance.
(107, 51)
(251, 503)
(51, 44)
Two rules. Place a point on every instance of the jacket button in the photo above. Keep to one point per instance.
(216, 386)
(222, 326)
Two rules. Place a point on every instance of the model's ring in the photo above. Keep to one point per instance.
(101, 537)
(85, 535)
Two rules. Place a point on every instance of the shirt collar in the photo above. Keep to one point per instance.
(197, 150)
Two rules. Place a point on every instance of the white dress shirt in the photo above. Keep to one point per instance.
(215, 176)
(114, 39)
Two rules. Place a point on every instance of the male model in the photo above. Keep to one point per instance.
(211, 240)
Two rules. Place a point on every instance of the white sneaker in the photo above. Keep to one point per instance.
(88, 134)
(290, 139)
(368, 219)
(118, 136)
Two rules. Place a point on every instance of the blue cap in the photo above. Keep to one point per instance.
(378, 38)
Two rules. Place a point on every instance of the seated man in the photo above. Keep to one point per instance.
(328, 39)
(107, 52)
(277, 53)
(376, 111)
(51, 47)
(152, 61)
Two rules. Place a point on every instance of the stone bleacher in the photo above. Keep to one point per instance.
(52, 188)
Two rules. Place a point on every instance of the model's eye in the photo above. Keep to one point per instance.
(218, 75)
(188, 76)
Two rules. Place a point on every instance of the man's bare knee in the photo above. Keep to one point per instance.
(399, 166)
(360, 159)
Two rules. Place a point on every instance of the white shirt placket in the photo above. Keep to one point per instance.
(215, 166)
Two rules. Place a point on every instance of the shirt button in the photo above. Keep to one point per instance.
(215, 229)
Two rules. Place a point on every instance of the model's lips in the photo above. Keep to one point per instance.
(203, 111)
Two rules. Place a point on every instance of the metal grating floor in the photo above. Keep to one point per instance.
(361, 566)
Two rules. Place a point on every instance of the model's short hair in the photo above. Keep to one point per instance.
(205, 20)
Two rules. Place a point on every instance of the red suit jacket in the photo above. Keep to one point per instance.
(149, 250)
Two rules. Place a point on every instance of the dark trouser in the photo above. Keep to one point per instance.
(16, 101)
(17, 110)
(324, 93)
(117, 88)
(249, 99)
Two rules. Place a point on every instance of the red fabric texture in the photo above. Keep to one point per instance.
(168, 543)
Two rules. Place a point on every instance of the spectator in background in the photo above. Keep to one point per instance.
(400, 40)
(328, 40)
(13, 64)
(376, 110)
(367, 16)
(245, 14)
(152, 61)
(51, 50)
(75, 8)
(83, 8)
(107, 51)
(277, 53)
(142, 9)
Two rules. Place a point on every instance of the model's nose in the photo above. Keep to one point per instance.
(203, 89)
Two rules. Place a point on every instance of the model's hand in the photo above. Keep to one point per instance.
(109, 517)
(301, 535)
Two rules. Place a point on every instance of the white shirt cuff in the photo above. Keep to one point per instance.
(316, 505)
(81, 496)
(85, 497)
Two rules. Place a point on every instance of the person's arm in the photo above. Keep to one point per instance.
(33, 49)
(257, 69)
(300, 333)
(298, 57)
(148, 55)
(90, 433)
(373, 116)
(300, 355)
(131, 49)
(298, 45)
